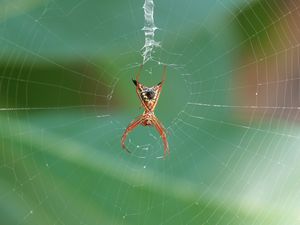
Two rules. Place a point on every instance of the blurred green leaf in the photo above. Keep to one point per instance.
(60, 170)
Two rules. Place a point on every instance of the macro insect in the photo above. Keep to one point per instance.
(149, 97)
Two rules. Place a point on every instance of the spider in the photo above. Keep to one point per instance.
(149, 97)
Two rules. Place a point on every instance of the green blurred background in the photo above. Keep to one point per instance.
(230, 104)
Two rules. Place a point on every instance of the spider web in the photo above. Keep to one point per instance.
(230, 104)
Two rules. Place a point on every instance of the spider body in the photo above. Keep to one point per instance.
(146, 119)
(149, 97)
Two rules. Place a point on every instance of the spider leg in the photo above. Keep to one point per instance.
(129, 128)
(138, 87)
(161, 130)
(159, 86)
(137, 77)
(164, 75)
(139, 73)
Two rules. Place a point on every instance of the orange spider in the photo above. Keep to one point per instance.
(149, 97)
